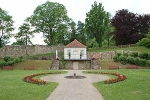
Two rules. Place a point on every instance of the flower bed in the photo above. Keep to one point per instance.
(30, 79)
(119, 78)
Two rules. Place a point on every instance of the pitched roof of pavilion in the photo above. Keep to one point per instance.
(75, 44)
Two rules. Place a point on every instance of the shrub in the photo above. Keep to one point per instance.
(131, 60)
(116, 58)
(148, 63)
(10, 63)
(16, 60)
(123, 59)
(20, 58)
(149, 56)
(134, 54)
(118, 54)
(137, 61)
(3, 63)
(125, 54)
(144, 42)
(143, 62)
(7, 58)
(143, 55)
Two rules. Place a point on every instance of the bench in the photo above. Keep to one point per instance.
(113, 67)
(7, 68)
(131, 67)
(28, 68)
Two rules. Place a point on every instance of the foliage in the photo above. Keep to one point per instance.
(140, 62)
(118, 54)
(92, 43)
(129, 27)
(116, 58)
(131, 60)
(97, 22)
(6, 27)
(123, 59)
(125, 54)
(134, 54)
(148, 63)
(63, 62)
(81, 34)
(144, 42)
(143, 55)
(7, 58)
(3, 63)
(50, 19)
(73, 34)
(24, 35)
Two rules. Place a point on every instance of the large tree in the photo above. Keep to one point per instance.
(81, 34)
(48, 18)
(129, 27)
(72, 31)
(24, 35)
(96, 21)
(6, 27)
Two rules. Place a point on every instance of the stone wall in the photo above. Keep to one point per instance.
(15, 51)
(106, 55)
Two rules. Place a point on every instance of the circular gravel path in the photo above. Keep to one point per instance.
(75, 89)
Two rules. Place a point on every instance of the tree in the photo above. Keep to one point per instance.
(6, 27)
(96, 21)
(24, 34)
(48, 18)
(129, 27)
(72, 31)
(81, 34)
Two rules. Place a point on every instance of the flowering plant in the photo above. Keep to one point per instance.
(119, 78)
(30, 78)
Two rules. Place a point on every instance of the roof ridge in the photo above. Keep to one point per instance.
(75, 43)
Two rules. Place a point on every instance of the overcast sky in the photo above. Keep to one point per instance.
(21, 9)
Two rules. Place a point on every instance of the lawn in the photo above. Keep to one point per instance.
(12, 86)
(135, 48)
(38, 64)
(135, 87)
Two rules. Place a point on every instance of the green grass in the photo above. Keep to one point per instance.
(135, 87)
(12, 86)
(106, 63)
(136, 48)
(38, 64)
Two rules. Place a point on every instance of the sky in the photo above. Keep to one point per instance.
(76, 9)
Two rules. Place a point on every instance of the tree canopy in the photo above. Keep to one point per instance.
(49, 18)
(129, 27)
(6, 27)
(24, 35)
(96, 22)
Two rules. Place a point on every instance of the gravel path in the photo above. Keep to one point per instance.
(75, 89)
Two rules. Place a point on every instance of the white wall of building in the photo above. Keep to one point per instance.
(75, 53)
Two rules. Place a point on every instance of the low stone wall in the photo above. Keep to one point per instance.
(16, 51)
(106, 55)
